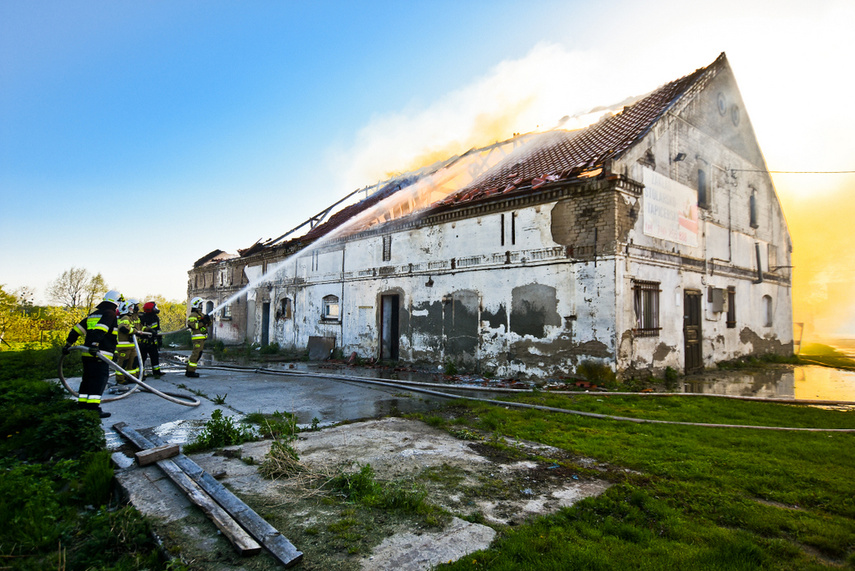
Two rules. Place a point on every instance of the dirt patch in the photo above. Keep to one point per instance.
(480, 486)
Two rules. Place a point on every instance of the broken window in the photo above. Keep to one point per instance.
(387, 247)
(703, 191)
(226, 312)
(767, 311)
(332, 309)
(284, 308)
(731, 307)
(646, 305)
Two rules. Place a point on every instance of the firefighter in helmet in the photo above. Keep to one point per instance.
(149, 345)
(198, 323)
(98, 331)
(126, 353)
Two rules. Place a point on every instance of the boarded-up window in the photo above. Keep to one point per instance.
(646, 306)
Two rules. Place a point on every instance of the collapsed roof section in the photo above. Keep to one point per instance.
(537, 160)
(211, 257)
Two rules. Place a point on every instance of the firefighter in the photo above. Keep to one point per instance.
(98, 330)
(198, 323)
(126, 353)
(150, 345)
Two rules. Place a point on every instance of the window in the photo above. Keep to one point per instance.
(752, 205)
(646, 305)
(315, 261)
(332, 310)
(387, 247)
(767, 311)
(284, 308)
(513, 228)
(227, 312)
(731, 307)
(703, 192)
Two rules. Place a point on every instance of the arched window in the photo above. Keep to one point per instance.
(332, 309)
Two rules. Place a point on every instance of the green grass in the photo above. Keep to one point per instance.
(686, 497)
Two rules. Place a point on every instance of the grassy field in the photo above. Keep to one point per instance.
(685, 497)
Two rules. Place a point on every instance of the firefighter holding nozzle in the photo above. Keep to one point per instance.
(98, 330)
(198, 323)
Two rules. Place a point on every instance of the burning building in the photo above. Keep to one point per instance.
(650, 239)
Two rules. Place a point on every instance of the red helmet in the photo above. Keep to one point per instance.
(148, 307)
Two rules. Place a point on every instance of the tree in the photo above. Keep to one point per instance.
(77, 289)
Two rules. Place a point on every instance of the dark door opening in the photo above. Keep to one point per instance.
(265, 324)
(692, 331)
(389, 327)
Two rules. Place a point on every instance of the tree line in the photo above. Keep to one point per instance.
(73, 295)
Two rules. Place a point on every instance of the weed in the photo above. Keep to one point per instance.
(671, 377)
(220, 399)
(595, 372)
(450, 367)
(220, 431)
(282, 459)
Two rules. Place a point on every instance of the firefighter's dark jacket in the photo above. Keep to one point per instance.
(98, 327)
(150, 322)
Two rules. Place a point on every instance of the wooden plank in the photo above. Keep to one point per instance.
(269, 537)
(276, 543)
(242, 541)
(152, 455)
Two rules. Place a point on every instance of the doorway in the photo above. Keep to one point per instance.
(389, 327)
(692, 333)
(265, 324)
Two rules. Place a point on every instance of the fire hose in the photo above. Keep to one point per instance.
(414, 386)
(171, 397)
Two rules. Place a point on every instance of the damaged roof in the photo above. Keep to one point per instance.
(553, 156)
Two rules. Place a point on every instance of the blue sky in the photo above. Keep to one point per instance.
(135, 137)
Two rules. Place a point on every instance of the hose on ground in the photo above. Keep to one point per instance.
(415, 388)
(171, 397)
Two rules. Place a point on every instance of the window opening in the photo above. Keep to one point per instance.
(284, 308)
(503, 229)
(752, 204)
(703, 192)
(646, 305)
(387, 247)
(767, 310)
(332, 309)
(731, 307)
(513, 227)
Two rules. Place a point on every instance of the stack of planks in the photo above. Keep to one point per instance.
(245, 529)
